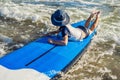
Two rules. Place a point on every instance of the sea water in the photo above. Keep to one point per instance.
(22, 21)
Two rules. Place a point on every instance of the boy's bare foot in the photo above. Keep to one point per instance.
(94, 13)
(98, 14)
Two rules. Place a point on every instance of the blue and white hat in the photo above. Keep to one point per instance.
(60, 18)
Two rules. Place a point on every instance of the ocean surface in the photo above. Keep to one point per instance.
(22, 21)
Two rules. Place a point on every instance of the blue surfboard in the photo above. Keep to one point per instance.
(44, 57)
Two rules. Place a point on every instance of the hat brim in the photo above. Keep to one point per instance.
(61, 23)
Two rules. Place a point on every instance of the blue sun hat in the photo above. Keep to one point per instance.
(60, 18)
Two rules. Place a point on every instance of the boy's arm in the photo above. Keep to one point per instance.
(59, 42)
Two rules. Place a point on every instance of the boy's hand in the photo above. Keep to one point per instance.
(50, 41)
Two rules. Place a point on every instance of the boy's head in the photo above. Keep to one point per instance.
(60, 18)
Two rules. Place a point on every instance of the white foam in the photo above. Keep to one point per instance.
(19, 11)
(32, 11)
(2, 52)
(113, 77)
(2, 49)
(93, 78)
(21, 74)
(104, 70)
(5, 39)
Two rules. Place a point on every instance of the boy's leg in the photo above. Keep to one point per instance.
(88, 20)
(95, 22)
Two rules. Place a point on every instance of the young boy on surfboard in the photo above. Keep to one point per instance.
(60, 18)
